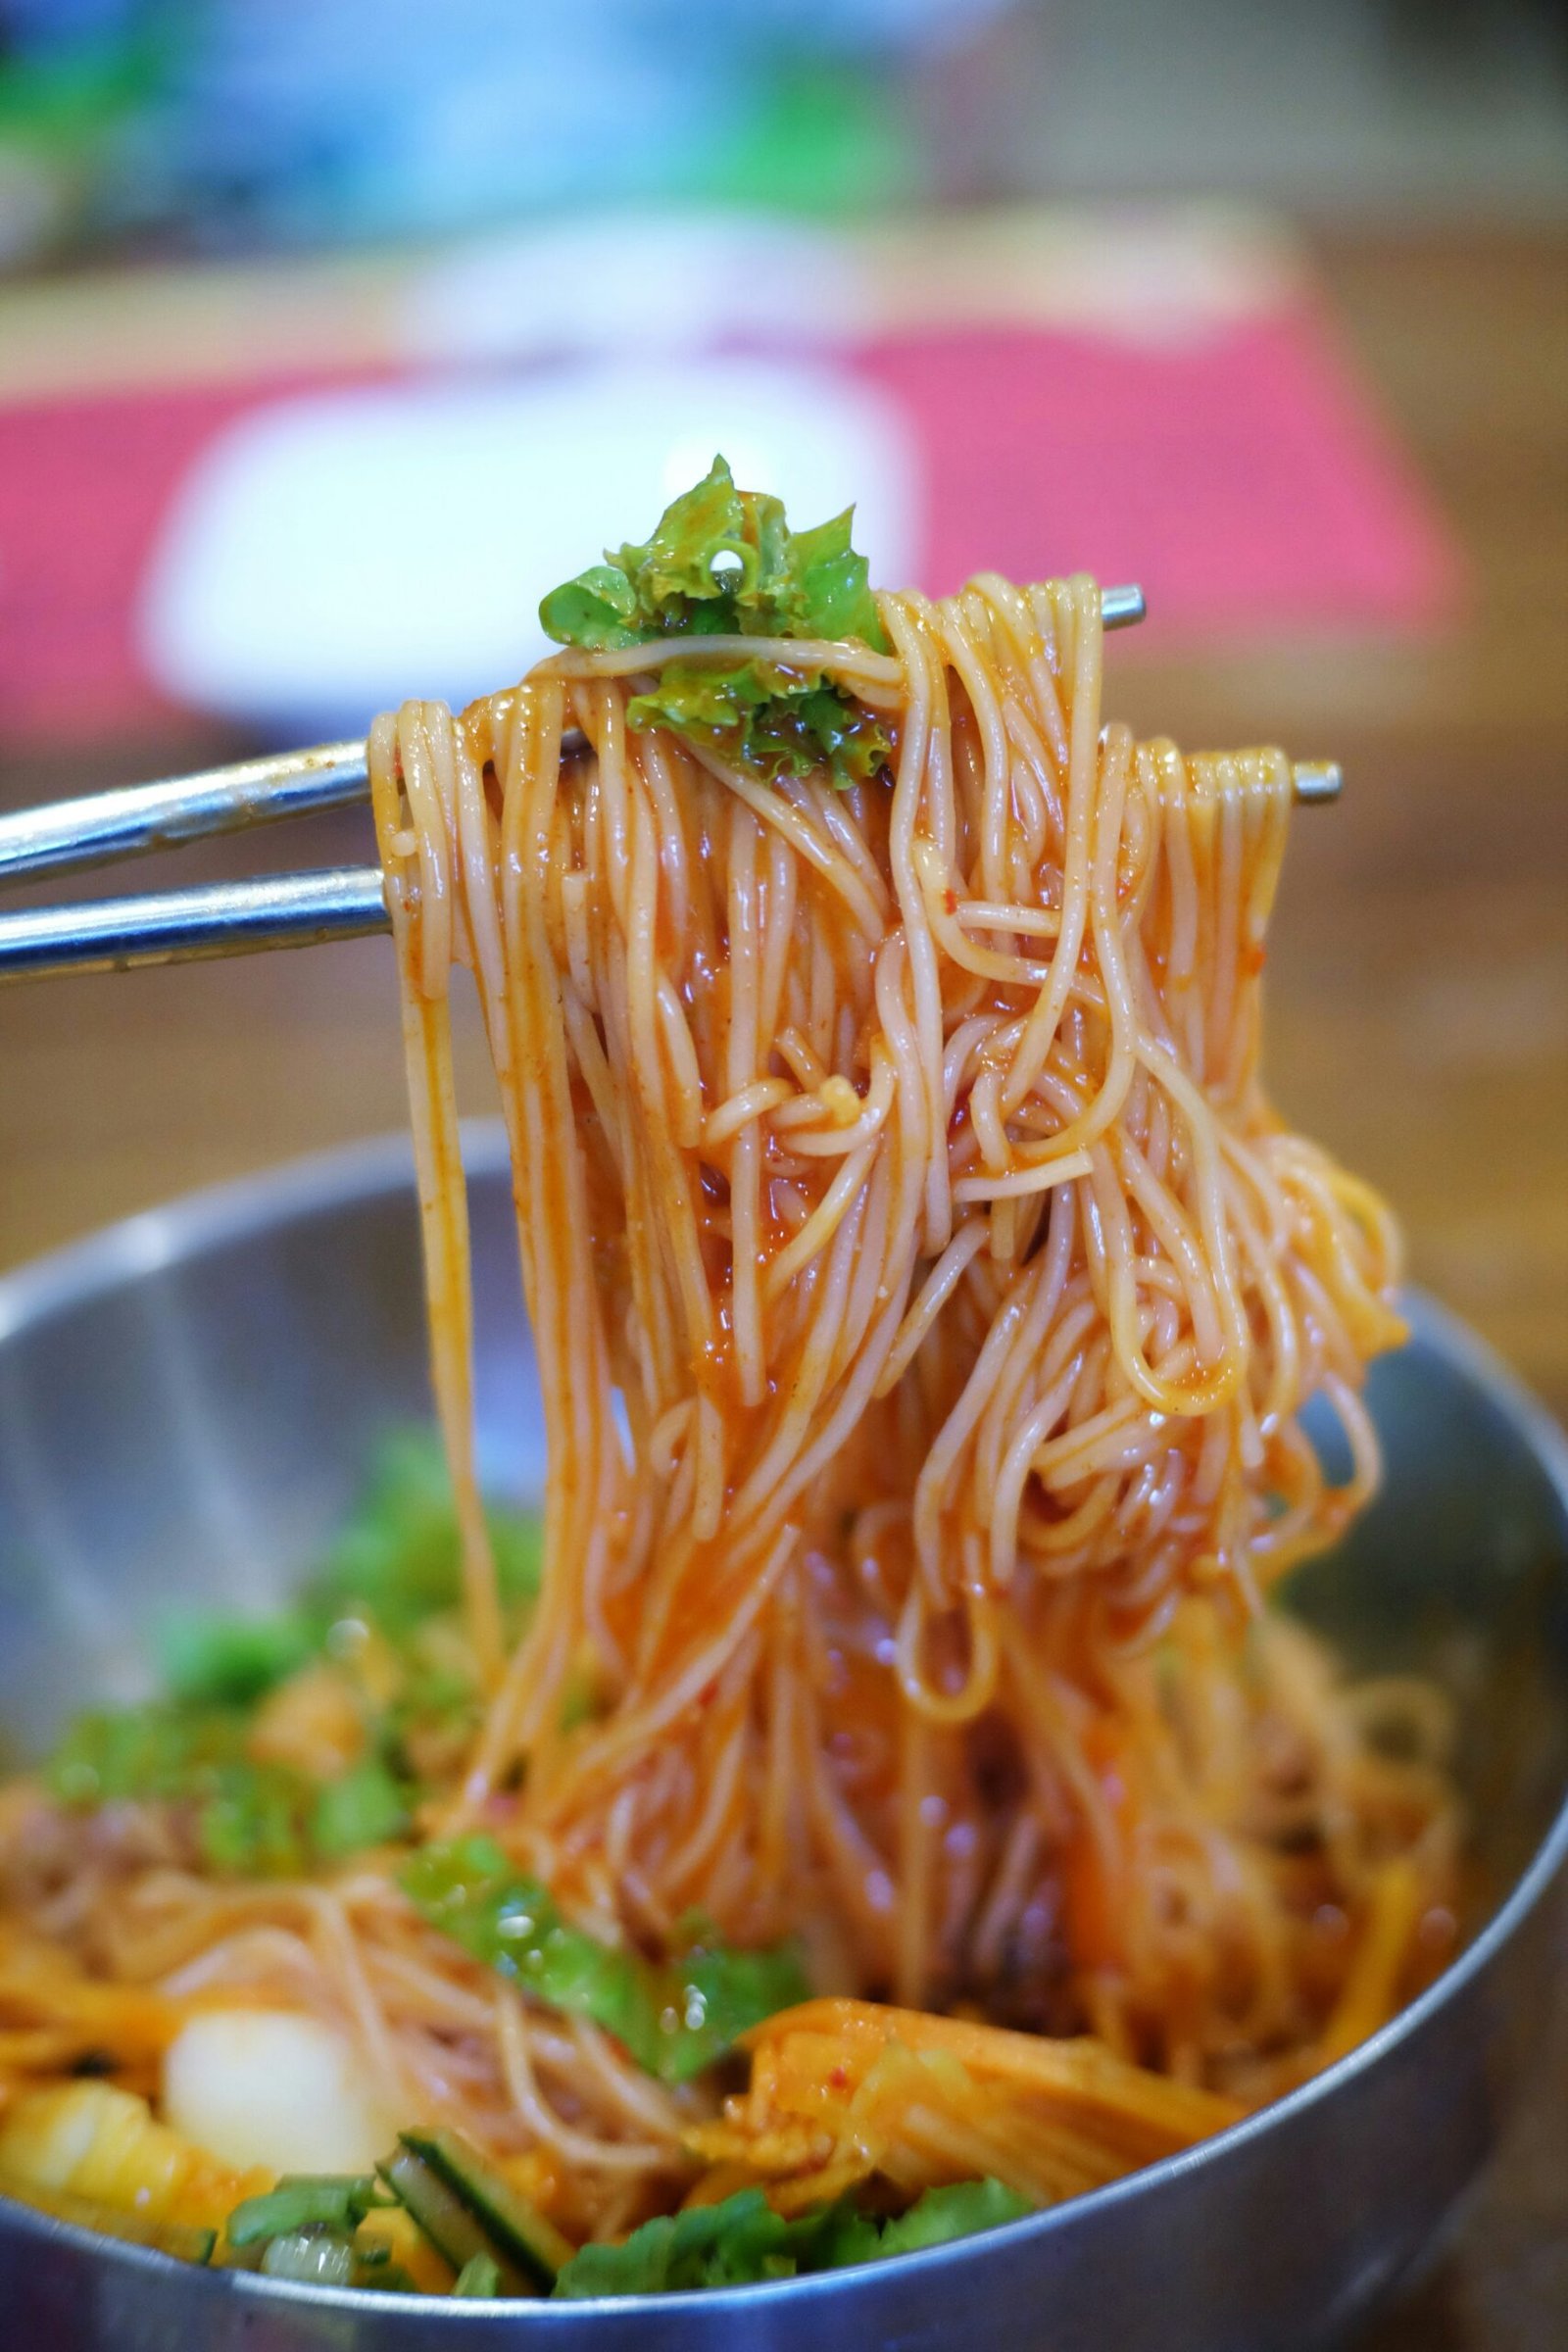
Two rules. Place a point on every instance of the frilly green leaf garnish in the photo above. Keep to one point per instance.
(723, 562)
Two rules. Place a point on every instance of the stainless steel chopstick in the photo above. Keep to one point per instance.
(275, 911)
(278, 910)
(182, 926)
(104, 827)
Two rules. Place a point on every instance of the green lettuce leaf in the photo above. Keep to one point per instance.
(743, 2240)
(957, 2211)
(598, 610)
(674, 2019)
(836, 598)
(717, 1992)
(709, 543)
(765, 716)
(708, 2246)
(252, 1820)
(723, 562)
(397, 1559)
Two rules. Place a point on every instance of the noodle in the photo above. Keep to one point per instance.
(926, 1298)
(1084, 1430)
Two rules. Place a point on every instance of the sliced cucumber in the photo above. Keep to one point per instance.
(514, 2226)
(451, 2226)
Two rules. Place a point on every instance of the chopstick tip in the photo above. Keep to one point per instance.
(1122, 608)
(1317, 781)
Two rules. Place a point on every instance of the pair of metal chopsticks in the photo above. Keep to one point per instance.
(237, 918)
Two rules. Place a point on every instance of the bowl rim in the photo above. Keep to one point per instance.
(194, 1223)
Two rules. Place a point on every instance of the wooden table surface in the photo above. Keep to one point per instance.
(1419, 975)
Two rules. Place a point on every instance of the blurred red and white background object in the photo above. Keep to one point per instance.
(285, 493)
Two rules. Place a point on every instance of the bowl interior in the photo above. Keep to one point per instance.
(187, 1403)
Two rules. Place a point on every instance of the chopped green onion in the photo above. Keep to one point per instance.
(304, 2201)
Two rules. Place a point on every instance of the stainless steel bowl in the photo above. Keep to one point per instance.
(186, 1403)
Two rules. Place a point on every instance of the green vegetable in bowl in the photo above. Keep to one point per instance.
(367, 1806)
(396, 1568)
(250, 1817)
(730, 2244)
(479, 2279)
(215, 1661)
(399, 1560)
(306, 2229)
(500, 2244)
(744, 2240)
(448, 2222)
(303, 2201)
(959, 2210)
(674, 2017)
(521, 2234)
(310, 2258)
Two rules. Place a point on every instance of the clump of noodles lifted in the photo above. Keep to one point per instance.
(927, 1299)
(895, 1156)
